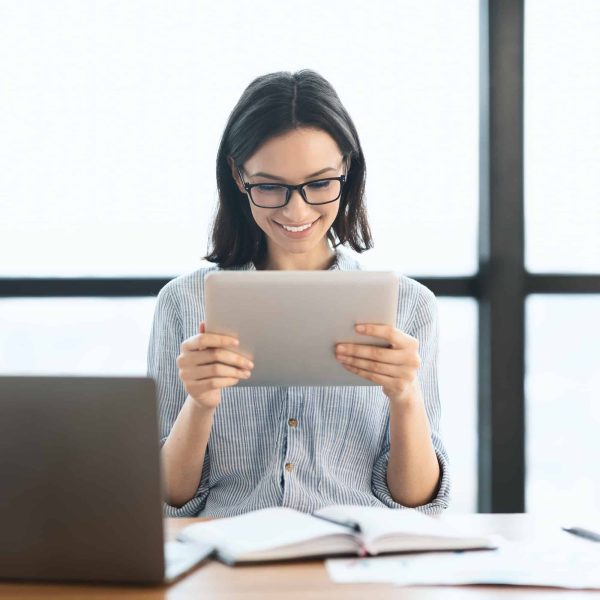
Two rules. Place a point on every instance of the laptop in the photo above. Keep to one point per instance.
(81, 490)
(288, 322)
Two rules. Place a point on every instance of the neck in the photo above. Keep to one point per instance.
(314, 261)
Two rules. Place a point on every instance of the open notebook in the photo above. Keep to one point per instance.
(283, 533)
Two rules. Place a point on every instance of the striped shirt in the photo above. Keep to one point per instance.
(300, 447)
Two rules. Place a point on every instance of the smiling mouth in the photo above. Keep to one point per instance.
(296, 229)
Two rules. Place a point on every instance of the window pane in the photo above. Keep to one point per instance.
(78, 336)
(562, 135)
(458, 392)
(563, 413)
(113, 113)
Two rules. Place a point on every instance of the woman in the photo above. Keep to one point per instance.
(291, 175)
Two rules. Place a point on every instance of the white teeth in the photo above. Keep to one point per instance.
(304, 227)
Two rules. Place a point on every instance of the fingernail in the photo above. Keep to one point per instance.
(341, 348)
(360, 328)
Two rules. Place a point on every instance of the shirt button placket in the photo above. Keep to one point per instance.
(293, 400)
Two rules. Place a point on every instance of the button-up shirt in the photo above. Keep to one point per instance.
(294, 446)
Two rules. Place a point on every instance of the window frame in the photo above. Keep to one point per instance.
(500, 286)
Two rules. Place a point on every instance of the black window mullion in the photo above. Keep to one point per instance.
(80, 287)
(501, 258)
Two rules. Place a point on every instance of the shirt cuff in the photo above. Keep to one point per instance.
(382, 492)
(192, 508)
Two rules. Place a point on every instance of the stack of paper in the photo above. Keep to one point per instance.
(514, 563)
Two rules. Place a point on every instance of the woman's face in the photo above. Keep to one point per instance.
(295, 157)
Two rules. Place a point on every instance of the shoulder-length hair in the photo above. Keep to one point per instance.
(272, 105)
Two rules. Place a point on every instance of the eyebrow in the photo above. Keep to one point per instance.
(269, 176)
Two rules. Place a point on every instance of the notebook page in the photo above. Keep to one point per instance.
(379, 522)
(259, 530)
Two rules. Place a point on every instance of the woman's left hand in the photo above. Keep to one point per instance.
(395, 367)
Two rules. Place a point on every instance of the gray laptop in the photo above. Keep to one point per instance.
(80, 483)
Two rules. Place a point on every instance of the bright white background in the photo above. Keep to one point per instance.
(562, 136)
(113, 110)
(562, 210)
(111, 114)
(563, 412)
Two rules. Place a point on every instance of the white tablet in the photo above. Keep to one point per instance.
(288, 322)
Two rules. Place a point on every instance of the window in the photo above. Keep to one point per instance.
(114, 111)
(562, 146)
(563, 415)
(75, 336)
(562, 136)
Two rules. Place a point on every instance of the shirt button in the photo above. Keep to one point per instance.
(293, 422)
(289, 467)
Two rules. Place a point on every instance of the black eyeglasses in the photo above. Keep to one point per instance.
(276, 195)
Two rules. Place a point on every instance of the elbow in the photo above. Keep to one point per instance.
(176, 498)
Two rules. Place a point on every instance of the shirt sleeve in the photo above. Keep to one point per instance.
(426, 330)
(164, 345)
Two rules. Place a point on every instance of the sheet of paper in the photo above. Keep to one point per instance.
(260, 530)
(567, 566)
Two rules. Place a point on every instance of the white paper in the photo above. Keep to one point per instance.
(380, 521)
(260, 530)
(535, 564)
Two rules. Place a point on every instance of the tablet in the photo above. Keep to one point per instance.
(288, 322)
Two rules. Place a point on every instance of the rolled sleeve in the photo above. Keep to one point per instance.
(164, 345)
(382, 492)
(425, 328)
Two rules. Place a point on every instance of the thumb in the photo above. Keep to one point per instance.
(202, 327)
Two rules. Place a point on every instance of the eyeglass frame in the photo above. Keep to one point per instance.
(290, 189)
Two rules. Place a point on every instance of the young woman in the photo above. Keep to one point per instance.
(291, 177)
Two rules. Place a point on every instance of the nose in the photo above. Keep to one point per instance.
(296, 209)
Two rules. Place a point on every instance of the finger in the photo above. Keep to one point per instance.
(208, 340)
(375, 353)
(202, 327)
(214, 355)
(212, 370)
(215, 383)
(374, 366)
(395, 337)
(377, 378)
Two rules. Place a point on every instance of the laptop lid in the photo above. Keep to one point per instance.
(80, 493)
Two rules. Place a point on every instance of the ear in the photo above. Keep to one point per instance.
(236, 175)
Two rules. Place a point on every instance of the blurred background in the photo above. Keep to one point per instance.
(111, 115)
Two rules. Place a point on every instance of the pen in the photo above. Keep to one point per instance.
(350, 524)
(584, 533)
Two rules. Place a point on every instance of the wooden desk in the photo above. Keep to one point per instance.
(306, 580)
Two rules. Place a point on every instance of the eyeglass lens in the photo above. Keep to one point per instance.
(316, 192)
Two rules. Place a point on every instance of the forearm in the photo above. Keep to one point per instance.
(413, 471)
(183, 452)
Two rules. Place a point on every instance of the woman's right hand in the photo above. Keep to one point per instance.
(207, 363)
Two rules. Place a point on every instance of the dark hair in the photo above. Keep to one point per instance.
(272, 105)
